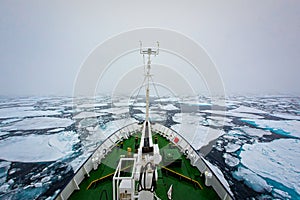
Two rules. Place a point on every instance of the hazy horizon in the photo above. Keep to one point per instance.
(254, 45)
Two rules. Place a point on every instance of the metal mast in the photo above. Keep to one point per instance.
(147, 157)
(148, 52)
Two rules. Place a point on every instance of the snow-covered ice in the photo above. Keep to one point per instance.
(232, 114)
(231, 160)
(281, 194)
(21, 112)
(8, 121)
(190, 118)
(286, 116)
(139, 104)
(167, 99)
(192, 131)
(244, 109)
(169, 107)
(123, 103)
(275, 165)
(154, 116)
(3, 133)
(92, 105)
(277, 160)
(38, 148)
(255, 132)
(4, 188)
(196, 103)
(285, 127)
(39, 123)
(116, 111)
(221, 121)
(4, 166)
(232, 147)
(252, 180)
(86, 114)
(217, 121)
(88, 122)
(113, 126)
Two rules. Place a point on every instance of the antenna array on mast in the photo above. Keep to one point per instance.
(150, 52)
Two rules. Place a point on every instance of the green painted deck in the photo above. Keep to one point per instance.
(182, 189)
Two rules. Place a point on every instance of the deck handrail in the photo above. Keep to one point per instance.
(185, 177)
(109, 137)
(99, 179)
(106, 176)
(201, 157)
(79, 168)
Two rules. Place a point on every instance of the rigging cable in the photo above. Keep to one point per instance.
(156, 91)
(139, 91)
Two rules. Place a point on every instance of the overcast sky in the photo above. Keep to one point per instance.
(255, 44)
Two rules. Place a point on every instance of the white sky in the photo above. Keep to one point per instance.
(254, 44)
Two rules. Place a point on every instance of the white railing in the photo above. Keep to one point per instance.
(195, 159)
(95, 158)
(219, 184)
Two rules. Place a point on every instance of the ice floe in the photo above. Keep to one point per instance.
(252, 180)
(38, 148)
(121, 104)
(4, 188)
(277, 160)
(192, 131)
(86, 114)
(112, 126)
(281, 194)
(154, 116)
(3, 133)
(195, 103)
(116, 111)
(232, 114)
(167, 99)
(152, 110)
(231, 160)
(221, 119)
(286, 116)
(255, 131)
(4, 166)
(284, 127)
(39, 123)
(139, 104)
(217, 121)
(244, 109)
(92, 105)
(232, 147)
(169, 107)
(55, 130)
(8, 121)
(87, 122)
(191, 118)
(21, 112)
